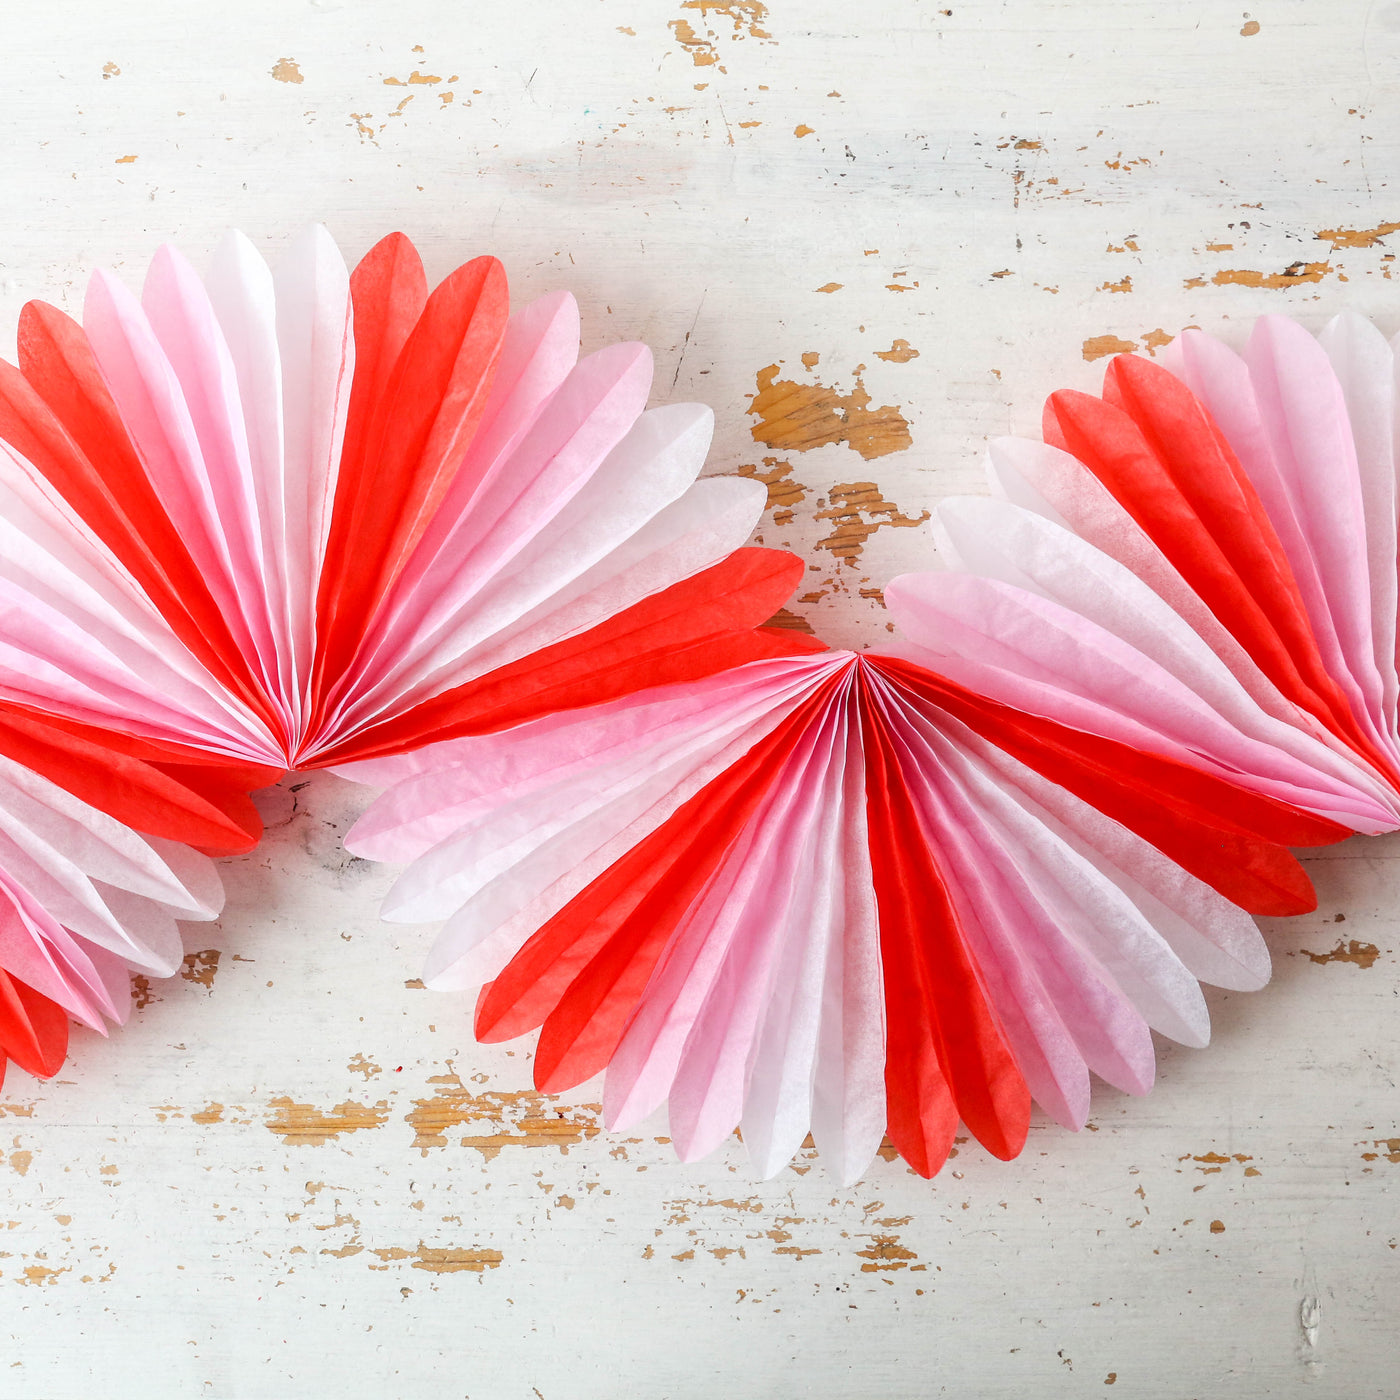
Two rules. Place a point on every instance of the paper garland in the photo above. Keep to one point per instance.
(262, 521)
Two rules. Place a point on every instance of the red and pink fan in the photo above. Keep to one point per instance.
(257, 521)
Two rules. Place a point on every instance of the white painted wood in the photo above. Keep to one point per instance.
(1038, 175)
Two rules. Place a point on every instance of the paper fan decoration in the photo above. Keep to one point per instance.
(1201, 563)
(836, 894)
(261, 521)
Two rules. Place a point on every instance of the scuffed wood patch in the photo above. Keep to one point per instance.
(302, 1125)
(857, 510)
(522, 1118)
(1349, 950)
(795, 417)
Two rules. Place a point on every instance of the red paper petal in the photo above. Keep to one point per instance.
(33, 1029)
(946, 1056)
(159, 789)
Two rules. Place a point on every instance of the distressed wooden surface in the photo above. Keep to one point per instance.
(893, 227)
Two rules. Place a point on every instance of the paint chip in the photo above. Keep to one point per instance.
(302, 1125)
(746, 16)
(456, 1261)
(1391, 1151)
(885, 1252)
(286, 70)
(857, 510)
(1363, 955)
(1097, 347)
(900, 353)
(201, 967)
(784, 494)
(524, 1118)
(796, 417)
(1352, 237)
(362, 1064)
(1292, 276)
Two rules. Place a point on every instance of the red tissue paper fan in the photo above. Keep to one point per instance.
(264, 520)
(837, 893)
